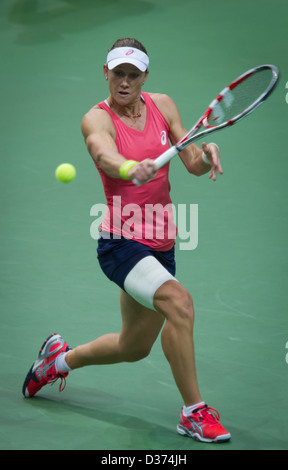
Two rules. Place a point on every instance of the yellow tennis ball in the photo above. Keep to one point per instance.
(65, 173)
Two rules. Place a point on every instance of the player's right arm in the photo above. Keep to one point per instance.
(99, 135)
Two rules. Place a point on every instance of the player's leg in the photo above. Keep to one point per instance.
(197, 420)
(175, 302)
(140, 328)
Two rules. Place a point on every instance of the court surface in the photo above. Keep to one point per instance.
(51, 74)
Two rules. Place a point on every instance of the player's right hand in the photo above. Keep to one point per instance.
(144, 171)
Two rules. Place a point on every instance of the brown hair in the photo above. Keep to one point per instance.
(129, 42)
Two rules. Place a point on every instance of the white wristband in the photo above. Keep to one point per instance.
(205, 159)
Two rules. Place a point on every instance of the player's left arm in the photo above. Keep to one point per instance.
(191, 156)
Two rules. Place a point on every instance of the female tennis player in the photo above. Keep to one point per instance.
(124, 134)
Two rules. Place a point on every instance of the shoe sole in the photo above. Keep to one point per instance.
(219, 439)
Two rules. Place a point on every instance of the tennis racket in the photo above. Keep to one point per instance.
(235, 102)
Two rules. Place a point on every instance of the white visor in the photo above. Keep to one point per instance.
(127, 55)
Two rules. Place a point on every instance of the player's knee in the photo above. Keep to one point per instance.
(176, 303)
(182, 308)
(137, 354)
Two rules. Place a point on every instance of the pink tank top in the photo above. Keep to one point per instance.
(142, 213)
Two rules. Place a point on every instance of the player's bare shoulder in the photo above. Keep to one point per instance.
(161, 99)
(165, 104)
(97, 120)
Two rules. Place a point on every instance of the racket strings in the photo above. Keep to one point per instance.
(238, 99)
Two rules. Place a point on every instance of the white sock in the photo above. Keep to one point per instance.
(188, 410)
(61, 365)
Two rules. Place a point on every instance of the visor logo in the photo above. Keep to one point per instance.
(131, 51)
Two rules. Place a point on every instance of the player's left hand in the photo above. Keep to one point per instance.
(212, 153)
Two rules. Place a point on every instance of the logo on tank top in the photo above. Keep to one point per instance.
(163, 138)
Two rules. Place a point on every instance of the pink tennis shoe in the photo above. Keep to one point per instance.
(44, 371)
(203, 425)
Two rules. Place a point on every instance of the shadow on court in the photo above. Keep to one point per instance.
(157, 436)
(50, 22)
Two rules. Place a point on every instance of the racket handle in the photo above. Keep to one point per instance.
(166, 157)
(161, 161)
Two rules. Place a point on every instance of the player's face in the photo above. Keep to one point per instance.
(125, 83)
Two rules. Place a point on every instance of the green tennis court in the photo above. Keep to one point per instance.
(51, 74)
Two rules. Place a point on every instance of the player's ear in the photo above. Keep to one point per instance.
(105, 71)
(145, 77)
